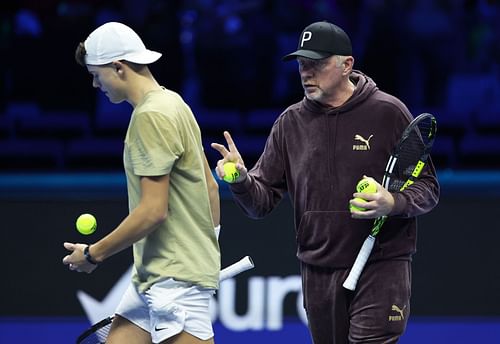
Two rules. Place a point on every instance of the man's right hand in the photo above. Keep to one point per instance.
(229, 154)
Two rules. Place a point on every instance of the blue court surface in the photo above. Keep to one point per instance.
(420, 330)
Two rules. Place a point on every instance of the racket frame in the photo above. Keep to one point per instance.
(365, 251)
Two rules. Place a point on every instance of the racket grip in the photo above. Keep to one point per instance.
(232, 270)
(359, 264)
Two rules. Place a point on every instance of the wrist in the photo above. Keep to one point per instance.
(88, 256)
(399, 204)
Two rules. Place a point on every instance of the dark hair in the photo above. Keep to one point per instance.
(80, 53)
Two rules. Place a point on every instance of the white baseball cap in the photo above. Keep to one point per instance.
(116, 41)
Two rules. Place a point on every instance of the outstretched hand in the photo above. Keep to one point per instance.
(76, 259)
(229, 154)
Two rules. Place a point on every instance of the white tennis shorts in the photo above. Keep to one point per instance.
(168, 308)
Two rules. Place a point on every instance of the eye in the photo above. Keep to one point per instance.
(303, 63)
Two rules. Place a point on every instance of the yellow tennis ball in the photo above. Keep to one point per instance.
(86, 224)
(230, 172)
(353, 207)
(365, 185)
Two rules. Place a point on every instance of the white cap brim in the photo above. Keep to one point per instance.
(143, 57)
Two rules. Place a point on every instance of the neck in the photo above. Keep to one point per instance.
(141, 84)
(344, 93)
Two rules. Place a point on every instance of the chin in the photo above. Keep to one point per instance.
(116, 101)
(313, 96)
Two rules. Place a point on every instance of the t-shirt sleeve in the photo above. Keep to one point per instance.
(154, 144)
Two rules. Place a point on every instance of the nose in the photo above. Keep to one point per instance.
(305, 66)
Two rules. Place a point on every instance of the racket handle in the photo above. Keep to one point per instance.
(232, 270)
(359, 264)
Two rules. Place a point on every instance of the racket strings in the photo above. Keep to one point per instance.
(411, 150)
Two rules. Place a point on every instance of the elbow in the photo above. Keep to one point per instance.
(157, 217)
(161, 217)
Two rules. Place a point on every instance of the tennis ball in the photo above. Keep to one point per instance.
(230, 172)
(353, 207)
(365, 185)
(86, 224)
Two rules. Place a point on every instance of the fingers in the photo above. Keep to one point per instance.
(366, 196)
(74, 267)
(229, 153)
(69, 246)
(82, 267)
(221, 149)
(66, 260)
(75, 260)
(366, 215)
(230, 143)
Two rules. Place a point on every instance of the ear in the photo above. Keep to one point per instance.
(348, 65)
(118, 67)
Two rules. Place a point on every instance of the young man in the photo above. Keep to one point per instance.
(314, 153)
(170, 189)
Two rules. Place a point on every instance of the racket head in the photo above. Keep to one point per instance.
(411, 153)
(97, 333)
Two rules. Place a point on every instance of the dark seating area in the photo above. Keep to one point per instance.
(224, 58)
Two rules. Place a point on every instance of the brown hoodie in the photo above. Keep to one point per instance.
(317, 154)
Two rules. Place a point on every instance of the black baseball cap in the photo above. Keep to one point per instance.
(320, 40)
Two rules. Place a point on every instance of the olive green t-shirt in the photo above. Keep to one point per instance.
(163, 138)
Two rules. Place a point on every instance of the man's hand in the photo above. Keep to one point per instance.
(377, 204)
(229, 154)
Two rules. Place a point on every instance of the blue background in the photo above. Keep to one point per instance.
(61, 144)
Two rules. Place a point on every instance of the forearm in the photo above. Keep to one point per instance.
(137, 225)
(255, 199)
(420, 198)
(213, 194)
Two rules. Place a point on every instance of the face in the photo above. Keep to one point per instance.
(107, 78)
(320, 78)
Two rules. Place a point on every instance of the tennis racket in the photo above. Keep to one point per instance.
(98, 332)
(405, 164)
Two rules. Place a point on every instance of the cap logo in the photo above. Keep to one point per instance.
(321, 40)
(305, 37)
